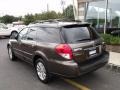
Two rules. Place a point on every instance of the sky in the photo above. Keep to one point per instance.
(22, 7)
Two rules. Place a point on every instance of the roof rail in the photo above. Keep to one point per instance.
(43, 21)
(55, 21)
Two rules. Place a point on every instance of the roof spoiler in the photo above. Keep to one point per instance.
(77, 25)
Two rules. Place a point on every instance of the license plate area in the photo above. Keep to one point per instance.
(92, 52)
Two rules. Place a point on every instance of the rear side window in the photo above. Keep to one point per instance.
(76, 34)
(31, 34)
(50, 35)
(22, 34)
(94, 33)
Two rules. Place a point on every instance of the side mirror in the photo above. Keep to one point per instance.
(14, 36)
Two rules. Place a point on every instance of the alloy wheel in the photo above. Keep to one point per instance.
(41, 71)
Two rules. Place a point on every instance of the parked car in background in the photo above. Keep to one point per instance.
(9, 25)
(11, 29)
(61, 48)
(2, 25)
(15, 30)
(5, 31)
(13, 24)
(116, 33)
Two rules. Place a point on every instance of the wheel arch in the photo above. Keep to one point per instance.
(39, 54)
(8, 45)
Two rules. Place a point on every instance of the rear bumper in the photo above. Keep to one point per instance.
(72, 69)
(94, 64)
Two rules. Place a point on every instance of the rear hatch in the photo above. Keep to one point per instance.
(84, 41)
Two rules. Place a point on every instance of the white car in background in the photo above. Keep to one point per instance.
(15, 30)
(5, 31)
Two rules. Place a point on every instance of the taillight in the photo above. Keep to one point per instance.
(64, 50)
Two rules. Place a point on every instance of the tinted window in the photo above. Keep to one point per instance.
(31, 34)
(50, 35)
(76, 34)
(94, 33)
(22, 34)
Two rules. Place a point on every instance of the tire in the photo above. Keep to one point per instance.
(12, 57)
(42, 72)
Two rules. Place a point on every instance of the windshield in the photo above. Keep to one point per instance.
(76, 34)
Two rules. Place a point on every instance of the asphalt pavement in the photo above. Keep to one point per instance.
(19, 75)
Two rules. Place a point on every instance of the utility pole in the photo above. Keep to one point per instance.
(47, 7)
(105, 24)
(86, 10)
(110, 17)
(119, 22)
(63, 5)
(98, 18)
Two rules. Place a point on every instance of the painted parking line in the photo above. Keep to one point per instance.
(75, 84)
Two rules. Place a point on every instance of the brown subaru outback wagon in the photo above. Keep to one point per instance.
(62, 48)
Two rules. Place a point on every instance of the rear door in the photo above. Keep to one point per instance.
(47, 39)
(83, 41)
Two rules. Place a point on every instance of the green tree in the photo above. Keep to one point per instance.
(28, 19)
(115, 21)
(42, 16)
(0, 19)
(8, 19)
(48, 15)
(60, 15)
(68, 13)
(20, 18)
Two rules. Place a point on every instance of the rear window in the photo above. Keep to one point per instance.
(76, 34)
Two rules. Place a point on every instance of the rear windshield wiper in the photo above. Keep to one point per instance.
(83, 40)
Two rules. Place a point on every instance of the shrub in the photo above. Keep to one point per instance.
(109, 39)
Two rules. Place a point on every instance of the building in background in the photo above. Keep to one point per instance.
(96, 13)
(101, 13)
(80, 8)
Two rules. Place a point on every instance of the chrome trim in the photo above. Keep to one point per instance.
(91, 48)
(77, 49)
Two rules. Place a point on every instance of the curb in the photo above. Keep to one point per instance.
(113, 67)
